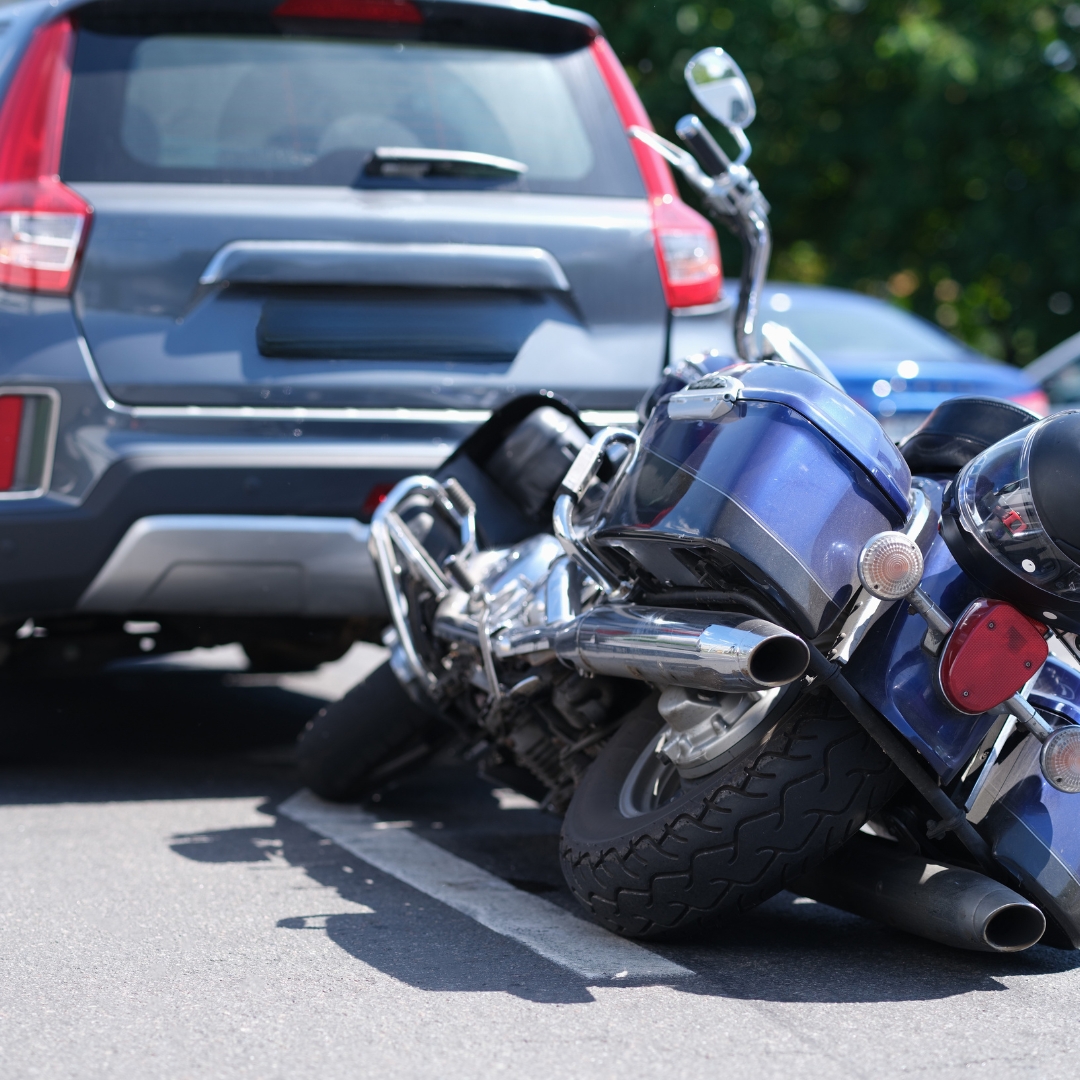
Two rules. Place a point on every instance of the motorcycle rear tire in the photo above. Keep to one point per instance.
(730, 840)
(374, 732)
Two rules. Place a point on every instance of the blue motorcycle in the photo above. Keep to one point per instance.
(756, 646)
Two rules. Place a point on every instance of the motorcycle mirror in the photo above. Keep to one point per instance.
(721, 88)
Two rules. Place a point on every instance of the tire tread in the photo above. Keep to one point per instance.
(770, 819)
(350, 742)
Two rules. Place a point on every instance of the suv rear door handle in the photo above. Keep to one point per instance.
(334, 262)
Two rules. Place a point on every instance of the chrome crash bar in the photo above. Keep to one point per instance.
(576, 482)
(392, 543)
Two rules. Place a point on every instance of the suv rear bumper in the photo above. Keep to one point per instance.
(200, 526)
(200, 522)
(256, 472)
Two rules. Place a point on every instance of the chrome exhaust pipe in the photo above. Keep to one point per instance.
(871, 877)
(706, 650)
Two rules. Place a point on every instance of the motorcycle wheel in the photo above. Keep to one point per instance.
(374, 732)
(648, 853)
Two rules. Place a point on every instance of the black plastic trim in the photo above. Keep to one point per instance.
(49, 557)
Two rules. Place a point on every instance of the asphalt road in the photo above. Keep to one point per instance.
(160, 918)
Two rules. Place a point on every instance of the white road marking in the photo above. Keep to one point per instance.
(318, 922)
(584, 948)
(509, 799)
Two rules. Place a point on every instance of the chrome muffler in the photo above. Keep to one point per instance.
(873, 878)
(716, 651)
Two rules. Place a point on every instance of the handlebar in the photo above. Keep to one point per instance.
(732, 195)
(703, 146)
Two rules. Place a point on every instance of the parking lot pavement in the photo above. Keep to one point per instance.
(164, 914)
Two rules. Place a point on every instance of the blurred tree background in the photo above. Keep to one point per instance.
(924, 151)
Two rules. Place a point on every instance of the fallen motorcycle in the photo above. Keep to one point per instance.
(729, 647)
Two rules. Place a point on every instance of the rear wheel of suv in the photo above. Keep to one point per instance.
(374, 732)
(647, 852)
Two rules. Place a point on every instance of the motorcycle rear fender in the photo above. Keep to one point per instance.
(1032, 828)
(893, 671)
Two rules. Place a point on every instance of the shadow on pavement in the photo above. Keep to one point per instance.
(408, 935)
(788, 950)
(152, 735)
(791, 950)
(147, 734)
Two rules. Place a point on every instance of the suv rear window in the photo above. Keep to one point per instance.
(202, 108)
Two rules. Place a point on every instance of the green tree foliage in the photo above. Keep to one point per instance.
(922, 150)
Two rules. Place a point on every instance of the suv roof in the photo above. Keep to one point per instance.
(548, 27)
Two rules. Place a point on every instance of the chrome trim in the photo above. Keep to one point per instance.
(50, 439)
(299, 414)
(211, 452)
(709, 650)
(345, 262)
(391, 536)
(418, 559)
(702, 728)
(382, 552)
(868, 609)
(95, 377)
(938, 624)
(734, 197)
(759, 242)
(610, 417)
(238, 564)
(561, 599)
(710, 403)
(574, 484)
(988, 766)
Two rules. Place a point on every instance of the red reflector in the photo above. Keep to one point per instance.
(392, 11)
(992, 651)
(11, 410)
(43, 224)
(375, 498)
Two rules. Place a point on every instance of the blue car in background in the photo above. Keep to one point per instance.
(896, 365)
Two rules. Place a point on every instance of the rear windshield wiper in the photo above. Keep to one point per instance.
(416, 163)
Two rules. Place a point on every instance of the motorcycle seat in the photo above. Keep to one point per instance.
(960, 429)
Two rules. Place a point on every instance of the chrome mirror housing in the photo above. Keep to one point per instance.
(721, 88)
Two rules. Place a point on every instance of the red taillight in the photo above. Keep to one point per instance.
(11, 411)
(375, 498)
(1035, 400)
(686, 245)
(992, 651)
(392, 11)
(689, 254)
(43, 223)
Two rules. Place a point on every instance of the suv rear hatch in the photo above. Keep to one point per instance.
(357, 203)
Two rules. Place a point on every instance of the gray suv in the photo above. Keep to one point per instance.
(260, 260)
